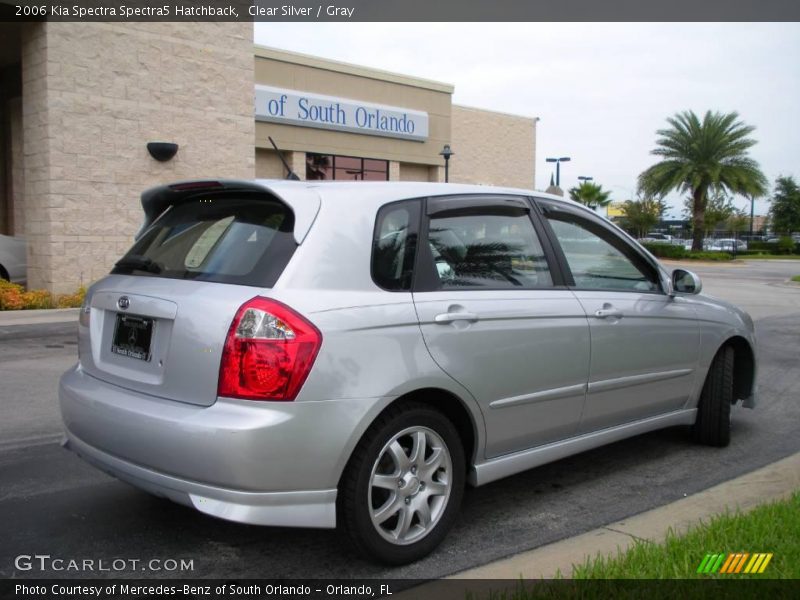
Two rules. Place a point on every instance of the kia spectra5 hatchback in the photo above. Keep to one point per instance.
(353, 354)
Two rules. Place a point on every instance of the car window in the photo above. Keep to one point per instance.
(487, 251)
(597, 258)
(394, 244)
(246, 241)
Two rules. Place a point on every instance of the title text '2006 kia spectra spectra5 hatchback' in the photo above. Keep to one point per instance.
(352, 354)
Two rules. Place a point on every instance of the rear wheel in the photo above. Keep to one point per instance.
(713, 424)
(403, 486)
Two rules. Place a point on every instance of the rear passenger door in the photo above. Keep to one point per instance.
(497, 318)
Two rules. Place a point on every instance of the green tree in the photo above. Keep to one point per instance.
(590, 194)
(785, 211)
(641, 215)
(702, 156)
(738, 222)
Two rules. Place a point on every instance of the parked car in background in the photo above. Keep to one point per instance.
(13, 259)
(352, 354)
(654, 236)
(727, 245)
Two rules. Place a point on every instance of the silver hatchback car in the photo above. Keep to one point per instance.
(321, 354)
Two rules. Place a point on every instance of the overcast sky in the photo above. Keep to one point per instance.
(601, 90)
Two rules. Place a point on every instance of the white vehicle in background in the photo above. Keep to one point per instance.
(727, 245)
(13, 259)
(656, 237)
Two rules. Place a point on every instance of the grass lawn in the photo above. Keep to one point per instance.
(771, 528)
(796, 278)
(769, 257)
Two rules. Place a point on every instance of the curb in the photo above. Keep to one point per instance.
(776, 481)
(35, 317)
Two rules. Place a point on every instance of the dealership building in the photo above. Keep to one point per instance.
(81, 102)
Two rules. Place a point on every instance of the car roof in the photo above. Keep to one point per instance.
(306, 197)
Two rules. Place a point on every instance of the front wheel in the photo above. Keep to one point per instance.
(403, 486)
(713, 424)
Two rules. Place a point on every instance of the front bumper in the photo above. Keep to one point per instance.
(266, 463)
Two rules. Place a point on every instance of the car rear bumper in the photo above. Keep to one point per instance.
(313, 508)
(267, 463)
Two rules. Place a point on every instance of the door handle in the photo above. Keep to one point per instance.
(455, 316)
(608, 311)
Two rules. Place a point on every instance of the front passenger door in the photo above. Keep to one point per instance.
(644, 343)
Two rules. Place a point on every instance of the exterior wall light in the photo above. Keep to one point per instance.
(446, 153)
(162, 151)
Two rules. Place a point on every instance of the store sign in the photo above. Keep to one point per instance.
(291, 107)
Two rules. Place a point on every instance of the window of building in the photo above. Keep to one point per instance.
(345, 168)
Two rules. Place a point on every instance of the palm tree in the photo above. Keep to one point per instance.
(698, 157)
(590, 194)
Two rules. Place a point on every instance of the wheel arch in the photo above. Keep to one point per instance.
(446, 402)
(744, 367)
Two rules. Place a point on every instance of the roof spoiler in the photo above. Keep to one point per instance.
(158, 199)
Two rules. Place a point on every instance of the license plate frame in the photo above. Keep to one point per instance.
(133, 336)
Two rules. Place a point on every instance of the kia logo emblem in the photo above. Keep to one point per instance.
(123, 303)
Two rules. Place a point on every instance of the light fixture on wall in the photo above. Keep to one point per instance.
(162, 151)
(447, 153)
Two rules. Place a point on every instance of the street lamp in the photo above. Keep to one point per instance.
(584, 178)
(558, 162)
(447, 153)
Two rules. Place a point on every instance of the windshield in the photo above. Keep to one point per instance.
(241, 240)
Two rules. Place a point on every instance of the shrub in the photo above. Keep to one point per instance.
(666, 250)
(713, 256)
(785, 245)
(14, 297)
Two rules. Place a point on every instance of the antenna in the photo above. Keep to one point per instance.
(290, 174)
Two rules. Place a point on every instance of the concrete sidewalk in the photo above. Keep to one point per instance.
(35, 317)
(773, 482)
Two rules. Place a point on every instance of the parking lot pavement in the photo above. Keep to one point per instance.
(761, 287)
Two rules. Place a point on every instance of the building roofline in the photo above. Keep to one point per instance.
(496, 112)
(349, 69)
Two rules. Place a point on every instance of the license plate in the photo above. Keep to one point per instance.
(132, 337)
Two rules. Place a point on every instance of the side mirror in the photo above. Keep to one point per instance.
(686, 282)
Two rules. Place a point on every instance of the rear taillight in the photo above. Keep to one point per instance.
(269, 352)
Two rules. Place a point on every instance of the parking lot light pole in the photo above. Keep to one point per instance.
(558, 162)
(446, 153)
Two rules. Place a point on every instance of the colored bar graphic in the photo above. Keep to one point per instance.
(709, 558)
(731, 559)
(735, 562)
(765, 563)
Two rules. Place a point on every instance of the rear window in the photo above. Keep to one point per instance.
(240, 240)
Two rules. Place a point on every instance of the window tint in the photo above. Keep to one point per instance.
(487, 251)
(394, 244)
(596, 258)
(246, 241)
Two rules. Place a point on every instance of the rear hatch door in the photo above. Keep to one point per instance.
(158, 323)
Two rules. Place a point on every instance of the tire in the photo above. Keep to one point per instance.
(395, 507)
(713, 424)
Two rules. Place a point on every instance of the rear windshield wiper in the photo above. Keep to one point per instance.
(139, 263)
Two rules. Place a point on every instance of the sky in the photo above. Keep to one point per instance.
(600, 90)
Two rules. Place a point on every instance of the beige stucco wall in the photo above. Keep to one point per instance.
(414, 172)
(94, 94)
(321, 76)
(17, 175)
(492, 148)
